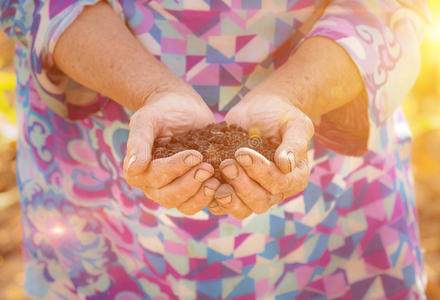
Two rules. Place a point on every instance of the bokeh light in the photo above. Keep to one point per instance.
(422, 108)
(57, 230)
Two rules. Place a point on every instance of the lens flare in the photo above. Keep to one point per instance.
(57, 230)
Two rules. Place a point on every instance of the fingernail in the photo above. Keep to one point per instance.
(208, 191)
(131, 161)
(291, 159)
(230, 171)
(213, 204)
(201, 175)
(225, 200)
(192, 160)
(244, 160)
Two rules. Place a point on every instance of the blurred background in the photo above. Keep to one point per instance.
(422, 108)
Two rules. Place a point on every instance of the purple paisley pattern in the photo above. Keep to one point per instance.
(352, 234)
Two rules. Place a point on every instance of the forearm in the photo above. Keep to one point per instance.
(98, 51)
(319, 77)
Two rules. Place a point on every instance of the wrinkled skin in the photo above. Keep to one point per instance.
(180, 181)
(255, 184)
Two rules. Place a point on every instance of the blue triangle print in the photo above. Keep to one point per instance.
(301, 229)
(214, 56)
(245, 287)
(214, 256)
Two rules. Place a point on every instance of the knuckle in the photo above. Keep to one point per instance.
(293, 191)
(191, 206)
(277, 198)
(284, 183)
(258, 203)
(186, 190)
(245, 192)
(163, 199)
(261, 206)
(298, 187)
(303, 184)
(155, 184)
(274, 189)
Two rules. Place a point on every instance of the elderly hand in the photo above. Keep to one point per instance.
(254, 184)
(180, 181)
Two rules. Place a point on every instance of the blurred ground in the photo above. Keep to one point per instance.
(422, 109)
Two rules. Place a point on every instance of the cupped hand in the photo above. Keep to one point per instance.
(255, 184)
(182, 180)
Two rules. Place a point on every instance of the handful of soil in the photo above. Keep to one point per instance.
(216, 142)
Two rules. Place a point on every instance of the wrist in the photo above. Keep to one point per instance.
(318, 78)
(285, 92)
(98, 51)
(174, 86)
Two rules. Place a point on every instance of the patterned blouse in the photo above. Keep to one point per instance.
(352, 234)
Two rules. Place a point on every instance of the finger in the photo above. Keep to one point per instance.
(268, 175)
(252, 194)
(215, 209)
(296, 135)
(201, 199)
(277, 198)
(263, 171)
(223, 191)
(140, 141)
(299, 178)
(228, 202)
(162, 171)
(258, 168)
(182, 188)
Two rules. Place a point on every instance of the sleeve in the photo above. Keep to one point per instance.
(37, 25)
(382, 37)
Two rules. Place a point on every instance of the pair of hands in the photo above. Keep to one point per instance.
(183, 181)
(318, 77)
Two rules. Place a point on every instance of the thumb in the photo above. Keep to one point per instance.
(296, 136)
(140, 143)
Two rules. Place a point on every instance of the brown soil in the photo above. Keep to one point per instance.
(216, 142)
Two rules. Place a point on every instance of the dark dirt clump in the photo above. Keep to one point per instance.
(216, 142)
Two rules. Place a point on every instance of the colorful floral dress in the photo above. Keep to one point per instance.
(352, 234)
